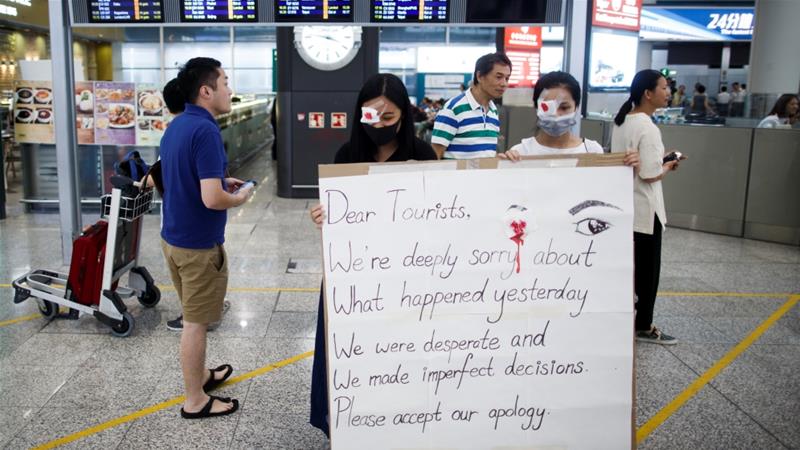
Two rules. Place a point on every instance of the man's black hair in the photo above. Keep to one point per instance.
(198, 72)
(173, 96)
(485, 64)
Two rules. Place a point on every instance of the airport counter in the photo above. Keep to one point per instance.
(738, 181)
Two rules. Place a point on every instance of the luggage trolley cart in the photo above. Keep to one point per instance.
(81, 290)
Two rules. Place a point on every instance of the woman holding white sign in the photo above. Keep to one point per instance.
(634, 128)
(556, 99)
(385, 134)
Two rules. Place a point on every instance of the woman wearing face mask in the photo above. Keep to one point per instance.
(385, 133)
(556, 98)
(386, 130)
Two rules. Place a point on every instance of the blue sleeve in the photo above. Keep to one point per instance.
(209, 154)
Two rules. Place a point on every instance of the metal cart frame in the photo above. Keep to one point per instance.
(126, 203)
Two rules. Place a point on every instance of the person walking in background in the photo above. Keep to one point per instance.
(699, 103)
(723, 101)
(679, 97)
(196, 197)
(745, 101)
(634, 128)
(468, 126)
(784, 113)
(737, 100)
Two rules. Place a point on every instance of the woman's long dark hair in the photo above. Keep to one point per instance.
(645, 80)
(780, 106)
(361, 146)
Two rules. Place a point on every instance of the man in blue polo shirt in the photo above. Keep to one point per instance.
(468, 126)
(196, 197)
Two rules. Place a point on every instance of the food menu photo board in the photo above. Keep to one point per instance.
(84, 111)
(152, 115)
(408, 10)
(313, 10)
(219, 11)
(125, 11)
(33, 112)
(115, 113)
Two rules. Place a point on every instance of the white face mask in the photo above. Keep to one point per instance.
(550, 122)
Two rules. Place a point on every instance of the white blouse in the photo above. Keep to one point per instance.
(639, 132)
(531, 147)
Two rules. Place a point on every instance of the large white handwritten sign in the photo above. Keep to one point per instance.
(477, 309)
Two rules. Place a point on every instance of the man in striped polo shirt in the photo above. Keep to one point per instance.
(468, 125)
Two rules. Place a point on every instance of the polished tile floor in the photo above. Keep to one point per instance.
(72, 380)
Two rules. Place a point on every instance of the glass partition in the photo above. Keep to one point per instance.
(253, 49)
(137, 58)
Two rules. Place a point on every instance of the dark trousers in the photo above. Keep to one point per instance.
(647, 268)
(319, 374)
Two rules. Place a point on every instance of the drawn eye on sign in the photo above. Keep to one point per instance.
(591, 226)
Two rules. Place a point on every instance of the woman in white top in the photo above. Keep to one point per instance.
(556, 98)
(634, 128)
(783, 114)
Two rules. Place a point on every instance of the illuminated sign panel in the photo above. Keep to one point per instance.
(522, 45)
(219, 11)
(697, 24)
(612, 61)
(314, 10)
(618, 14)
(523, 37)
(408, 11)
(126, 11)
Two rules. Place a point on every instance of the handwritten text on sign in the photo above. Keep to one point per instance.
(480, 308)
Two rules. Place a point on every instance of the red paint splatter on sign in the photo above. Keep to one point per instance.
(518, 228)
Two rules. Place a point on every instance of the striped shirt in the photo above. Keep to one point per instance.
(466, 129)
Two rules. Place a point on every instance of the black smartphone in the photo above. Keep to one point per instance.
(673, 156)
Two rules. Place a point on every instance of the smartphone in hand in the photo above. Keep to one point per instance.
(244, 185)
(673, 156)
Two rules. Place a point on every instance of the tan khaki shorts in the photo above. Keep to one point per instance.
(200, 278)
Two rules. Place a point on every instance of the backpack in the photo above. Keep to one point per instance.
(132, 166)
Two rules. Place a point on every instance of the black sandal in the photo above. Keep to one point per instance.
(213, 383)
(206, 411)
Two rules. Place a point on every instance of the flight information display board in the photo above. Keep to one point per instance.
(508, 11)
(313, 10)
(125, 11)
(408, 11)
(219, 11)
